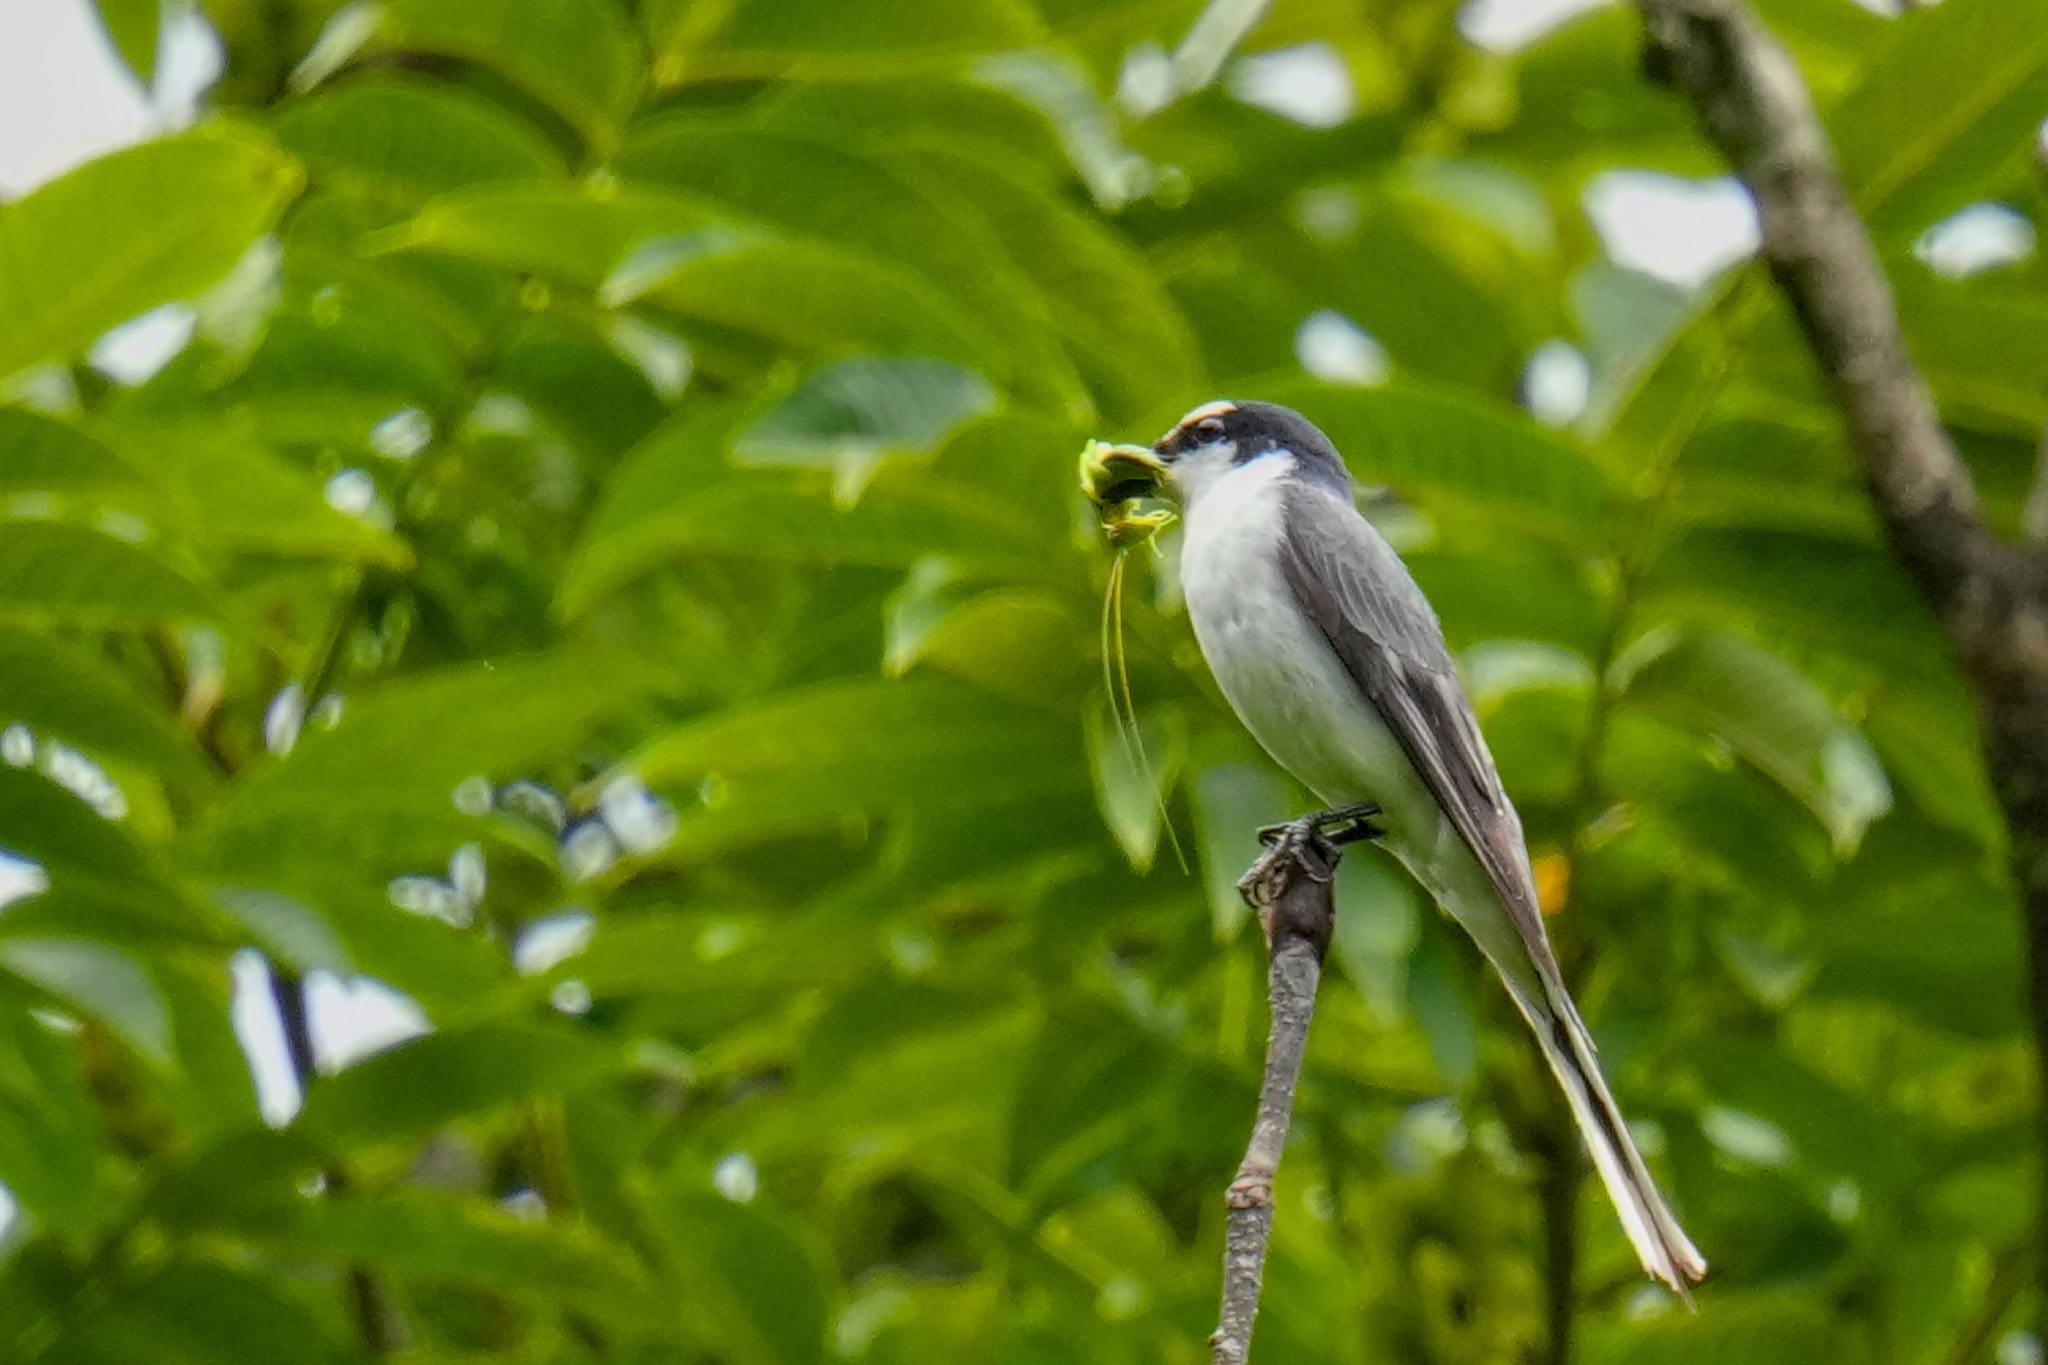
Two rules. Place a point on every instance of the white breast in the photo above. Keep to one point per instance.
(1275, 668)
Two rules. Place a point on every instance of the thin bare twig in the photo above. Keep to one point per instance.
(1290, 888)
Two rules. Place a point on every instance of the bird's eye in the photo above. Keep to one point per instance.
(1210, 428)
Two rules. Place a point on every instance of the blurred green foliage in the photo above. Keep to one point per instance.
(620, 482)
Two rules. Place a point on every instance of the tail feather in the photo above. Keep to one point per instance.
(1666, 1252)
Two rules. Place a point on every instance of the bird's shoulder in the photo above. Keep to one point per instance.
(1354, 577)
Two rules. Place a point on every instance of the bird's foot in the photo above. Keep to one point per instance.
(1311, 844)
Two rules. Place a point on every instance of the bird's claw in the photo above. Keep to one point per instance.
(1311, 844)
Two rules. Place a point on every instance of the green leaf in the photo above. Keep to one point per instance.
(51, 572)
(571, 233)
(1756, 1328)
(579, 56)
(832, 755)
(1439, 447)
(851, 416)
(758, 1284)
(812, 39)
(77, 847)
(1016, 643)
(1381, 925)
(40, 454)
(1126, 334)
(812, 296)
(217, 482)
(64, 692)
(421, 1085)
(106, 983)
(800, 173)
(52, 1152)
(1132, 782)
(202, 1313)
(134, 27)
(361, 798)
(1231, 802)
(673, 497)
(694, 259)
(1771, 715)
(414, 136)
(289, 930)
(1836, 1133)
(1495, 589)
(1825, 592)
(1763, 473)
(133, 230)
(1440, 999)
(1832, 41)
(443, 1239)
(1983, 347)
(1908, 162)
(1939, 942)
(896, 734)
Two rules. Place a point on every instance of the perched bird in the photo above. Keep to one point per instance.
(1334, 660)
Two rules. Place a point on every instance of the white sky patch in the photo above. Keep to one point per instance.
(355, 1018)
(133, 352)
(1309, 84)
(551, 940)
(1557, 383)
(1145, 84)
(1504, 25)
(736, 1177)
(65, 98)
(1337, 350)
(350, 1019)
(20, 879)
(1681, 231)
(2019, 1348)
(352, 491)
(254, 1013)
(1979, 238)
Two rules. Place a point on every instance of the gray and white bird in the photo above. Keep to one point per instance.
(1334, 660)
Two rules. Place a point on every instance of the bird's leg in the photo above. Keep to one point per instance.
(1311, 843)
(1337, 825)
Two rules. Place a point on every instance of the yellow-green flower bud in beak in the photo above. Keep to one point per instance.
(1115, 476)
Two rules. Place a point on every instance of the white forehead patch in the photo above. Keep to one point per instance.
(1222, 407)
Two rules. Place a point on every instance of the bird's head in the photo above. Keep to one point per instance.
(1199, 450)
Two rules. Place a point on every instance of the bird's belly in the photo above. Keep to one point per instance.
(1286, 684)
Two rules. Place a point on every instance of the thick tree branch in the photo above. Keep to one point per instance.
(1991, 597)
(1291, 890)
(1755, 107)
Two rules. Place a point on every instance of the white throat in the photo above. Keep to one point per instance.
(1205, 474)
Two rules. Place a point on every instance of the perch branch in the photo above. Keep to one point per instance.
(1290, 888)
(1990, 595)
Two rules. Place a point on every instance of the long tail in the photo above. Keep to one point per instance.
(1666, 1252)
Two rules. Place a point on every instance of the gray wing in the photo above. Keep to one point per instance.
(1354, 587)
